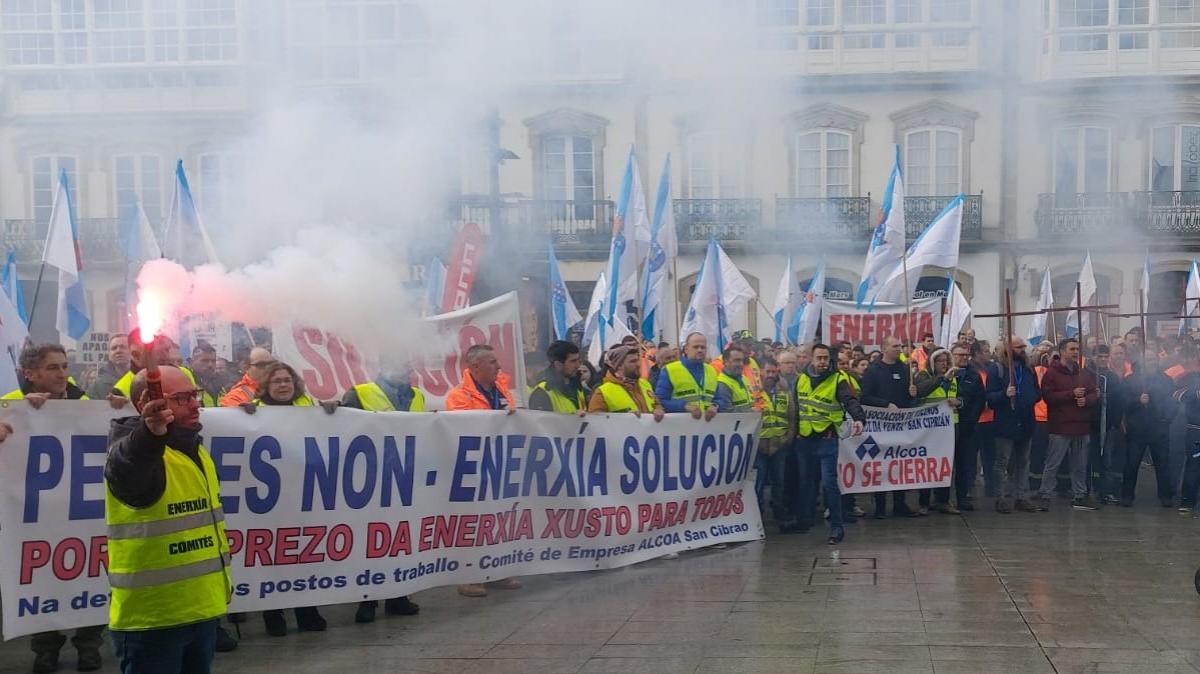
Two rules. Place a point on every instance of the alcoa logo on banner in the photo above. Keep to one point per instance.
(868, 446)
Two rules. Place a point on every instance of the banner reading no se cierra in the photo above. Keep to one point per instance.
(325, 509)
(899, 449)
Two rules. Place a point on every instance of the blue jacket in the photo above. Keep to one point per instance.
(1014, 420)
(665, 392)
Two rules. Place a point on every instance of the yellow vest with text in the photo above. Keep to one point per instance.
(685, 387)
(168, 563)
(739, 394)
(561, 403)
(125, 384)
(618, 400)
(818, 409)
(939, 393)
(775, 409)
(373, 399)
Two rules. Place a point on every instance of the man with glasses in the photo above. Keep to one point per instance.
(1012, 400)
(245, 390)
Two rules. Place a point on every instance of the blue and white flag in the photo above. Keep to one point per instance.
(936, 246)
(786, 302)
(1086, 295)
(12, 287)
(631, 228)
(663, 248)
(138, 246)
(887, 243)
(955, 313)
(1191, 302)
(1146, 284)
(562, 307)
(435, 285)
(62, 253)
(184, 238)
(803, 328)
(720, 290)
(1037, 329)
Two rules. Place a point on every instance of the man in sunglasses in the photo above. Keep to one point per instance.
(245, 390)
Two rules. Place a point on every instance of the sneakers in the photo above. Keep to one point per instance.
(274, 622)
(1110, 500)
(365, 612)
(88, 660)
(1039, 503)
(857, 512)
(1185, 510)
(44, 663)
(472, 590)
(225, 641)
(947, 509)
(1025, 506)
(400, 606)
(507, 584)
(1084, 503)
(1003, 507)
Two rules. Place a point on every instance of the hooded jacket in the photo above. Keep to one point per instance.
(1058, 386)
(1014, 418)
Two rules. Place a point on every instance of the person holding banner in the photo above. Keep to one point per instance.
(824, 398)
(934, 384)
(623, 390)
(1013, 401)
(244, 391)
(888, 383)
(733, 388)
(690, 383)
(168, 554)
(561, 387)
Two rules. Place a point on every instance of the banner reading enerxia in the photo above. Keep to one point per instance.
(846, 322)
(326, 509)
(899, 449)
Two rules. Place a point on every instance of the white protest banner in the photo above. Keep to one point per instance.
(331, 365)
(209, 328)
(899, 449)
(93, 348)
(327, 509)
(845, 322)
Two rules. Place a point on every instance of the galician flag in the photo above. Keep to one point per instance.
(12, 287)
(663, 248)
(936, 246)
(786, 301)
(591, 325)
(62, 253)
(184, 239)
(1037, 329)
(631, 229)
(1087, 294)
(562, 307)
(803, 328)
(435, 285)
(138, 246)
(887, 243)
(956, 313)
(720, 290)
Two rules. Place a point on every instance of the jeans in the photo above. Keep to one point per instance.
(769, 473)
(86, 638)
(1076, 446)
(825, 451)
(1191, 469)
(187, 649)
(808, 476)
(1138, 445)
(1011, 472)
(1106, 463)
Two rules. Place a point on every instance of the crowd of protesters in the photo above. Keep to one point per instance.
(1032, 422)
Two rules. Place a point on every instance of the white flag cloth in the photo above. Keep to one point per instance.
(631, 230)
(592, 323)
(563, 313)
(1087, 294)
(1037, 329)
(936, 246)
(13, 334)
(1191, 307)
(786, 301)
(721, 290)
(803, 328)
(887, 243)
(957, 311)
(62, 253)
(657, 313)
(185, 239)
(1146, 284)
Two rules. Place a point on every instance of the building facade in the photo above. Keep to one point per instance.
(1071, 125)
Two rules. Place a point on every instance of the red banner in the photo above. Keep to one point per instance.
(462, 267)
(844, 322)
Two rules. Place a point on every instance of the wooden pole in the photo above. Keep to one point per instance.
(1079, 313)
(908, 321)
(37, 290)
(1009, 342)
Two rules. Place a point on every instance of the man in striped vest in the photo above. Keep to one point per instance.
(168, 555)
(776, 438)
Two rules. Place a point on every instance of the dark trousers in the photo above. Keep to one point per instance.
(1106, 462)
(85, 639)
(1037, 454)
(172, 650)
(899, 504)
(826, 450)
(1191, 469)
(770, 474)
(985, 446)
(808, 476)
(964, 462)
(1137, 446)
(941, 495)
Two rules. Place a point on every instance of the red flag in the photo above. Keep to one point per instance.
(462, 267)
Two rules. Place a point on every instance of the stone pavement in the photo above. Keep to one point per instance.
(1066, 591)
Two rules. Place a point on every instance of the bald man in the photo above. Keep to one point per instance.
(245, 390)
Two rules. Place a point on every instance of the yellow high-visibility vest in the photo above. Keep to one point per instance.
(939, 393)
(774, 420)
(685, 387)
(302, 401)
(818, 409)
(561, 403)
(125, 384)
(373, 399)
(618, 400)
(168, 563)
(739, 394)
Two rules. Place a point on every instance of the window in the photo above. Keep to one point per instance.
(1175, 159)
(44, 173)
(28, 32)
(1133, 12)
(951, 38)
(1077, 13)
(907, 40)
(356, 40)
(219, 173)
(1180, 39)
(1081, 160)
(714, 172)
(1134, 40)
(933, 162)
(950, 11)
(1083, 42)
(908, 11)
(139, 177)
(822, 164)
(211, 31)
(1178, 11)
(820, 42)
(863, 41)
(779, 12)
(859, 12)
(820, 13)
(568, 169)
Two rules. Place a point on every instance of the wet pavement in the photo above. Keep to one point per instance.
(1065, 591)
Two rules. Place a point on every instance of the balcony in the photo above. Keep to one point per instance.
(725, 219)
(98, 239)
(1170, 214)
(577, 224)
(920, 211)
(838, 218)
(1116, 51)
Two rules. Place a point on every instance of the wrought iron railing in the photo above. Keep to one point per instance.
(726, 219)
(572, 223)
(842, 218)
(920, 211)
(1170, 213)
(98, 239)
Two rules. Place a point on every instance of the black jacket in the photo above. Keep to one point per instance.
(135, 471)
(1153, 419)
(972, 394)
(571, 388)
(1187, 391)
(885, 385)
(1014, 418)
(1113, 399)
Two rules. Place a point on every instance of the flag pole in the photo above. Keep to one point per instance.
(37, 290)
(1008, 344)
(1079, 312)
(772, 315)
(908, 318)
